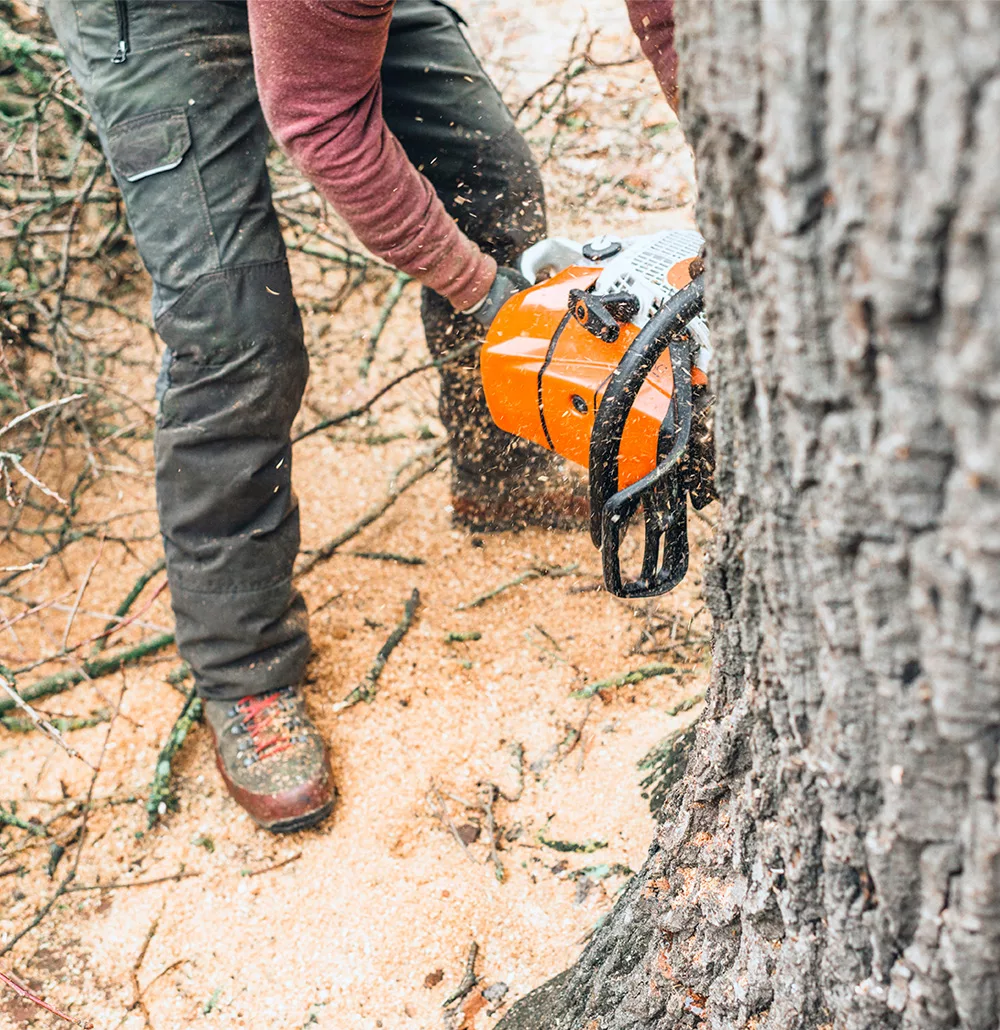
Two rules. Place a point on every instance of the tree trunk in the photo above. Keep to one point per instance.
(831, 858)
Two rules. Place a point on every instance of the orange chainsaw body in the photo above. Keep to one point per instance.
(544, 375)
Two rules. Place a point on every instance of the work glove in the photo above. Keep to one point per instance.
(505, 285)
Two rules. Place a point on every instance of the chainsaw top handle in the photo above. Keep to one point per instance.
(611, 508)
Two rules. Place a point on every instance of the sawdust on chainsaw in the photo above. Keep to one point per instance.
(368, 921)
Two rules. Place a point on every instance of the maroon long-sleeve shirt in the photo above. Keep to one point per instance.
(653, 22)
(317, 64)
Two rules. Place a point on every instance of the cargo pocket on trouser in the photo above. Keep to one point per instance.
(156, 169)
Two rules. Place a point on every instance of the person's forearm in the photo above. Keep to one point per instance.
(318, 73)
(653, 22)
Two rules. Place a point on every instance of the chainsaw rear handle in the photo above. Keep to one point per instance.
(662, 489)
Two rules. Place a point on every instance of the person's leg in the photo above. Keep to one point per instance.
(457, 130)
(183, 131)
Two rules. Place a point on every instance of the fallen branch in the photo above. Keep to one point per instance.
(395, 492)
(64, 725)
(173, 878)
(468, 981)
(685, 705)
(644, 672)
(403, 559)
(461, 638)
(489, 793)
(30, 995)
(368, 687)
(161, 795)
(122, 610)
(364, 406)
(94, 669)
(277, 865)
(9, 819)
(586, 847)
(14, 422)
(395, 292)
(535, 573)
(39, 721)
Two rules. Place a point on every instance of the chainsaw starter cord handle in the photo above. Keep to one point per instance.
(623, 388)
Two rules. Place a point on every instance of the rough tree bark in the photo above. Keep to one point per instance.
(832, 857)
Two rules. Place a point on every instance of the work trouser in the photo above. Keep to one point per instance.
(182, 128)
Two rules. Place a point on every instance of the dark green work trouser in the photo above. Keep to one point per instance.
(183, 130)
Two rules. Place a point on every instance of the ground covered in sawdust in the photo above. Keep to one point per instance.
(368, 921)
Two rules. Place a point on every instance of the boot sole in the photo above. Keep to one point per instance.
(300, 822)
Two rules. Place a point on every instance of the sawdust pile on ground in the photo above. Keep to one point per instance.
(368, 921)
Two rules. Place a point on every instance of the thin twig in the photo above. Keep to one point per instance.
(10, 819)
(377, 511)
(161, 795)
(115, 886)
(395, 292)
(41, 723)
(277, 865)
(368, 687)
(71, 618)
(403, 559)
(30, 995)
(49, 405)
(122, 610)
(360, 409)
(71, 875)
(137, 1002)
(490, 791)
(644, 672)
(468, 981)
(534, 573)
(94, 669)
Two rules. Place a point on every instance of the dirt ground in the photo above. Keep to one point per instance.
(368, 921)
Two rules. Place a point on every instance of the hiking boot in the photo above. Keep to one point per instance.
(273, 760)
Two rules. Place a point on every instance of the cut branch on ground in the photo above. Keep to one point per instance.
(368, 687)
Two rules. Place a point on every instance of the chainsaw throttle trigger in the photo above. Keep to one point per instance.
(591, 313)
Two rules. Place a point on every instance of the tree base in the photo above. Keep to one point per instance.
(540, 1009)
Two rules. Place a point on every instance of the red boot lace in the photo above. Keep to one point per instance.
(268, 724)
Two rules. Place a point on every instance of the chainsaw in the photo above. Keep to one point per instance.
(604, 360)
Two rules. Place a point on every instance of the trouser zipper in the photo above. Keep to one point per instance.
(121, 13)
